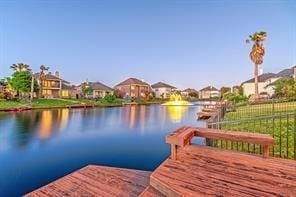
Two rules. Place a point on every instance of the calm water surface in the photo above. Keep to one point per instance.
(37, 147)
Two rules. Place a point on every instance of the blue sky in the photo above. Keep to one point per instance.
(184, 43)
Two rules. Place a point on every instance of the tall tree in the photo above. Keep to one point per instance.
(20, 67)
(43, 68)
(256, 55)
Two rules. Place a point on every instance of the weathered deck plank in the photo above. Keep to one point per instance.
(97, 181)
(151, 192)
(202, 170)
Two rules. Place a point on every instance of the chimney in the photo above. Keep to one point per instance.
(57, 74)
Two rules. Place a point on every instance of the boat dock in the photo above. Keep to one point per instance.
(191, 170)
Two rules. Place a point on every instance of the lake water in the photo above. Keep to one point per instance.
(37, 147)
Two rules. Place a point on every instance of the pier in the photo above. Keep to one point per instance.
(191, 170)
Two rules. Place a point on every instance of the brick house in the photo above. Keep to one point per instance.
(133, 88)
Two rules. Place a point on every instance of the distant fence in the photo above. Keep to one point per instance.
(280, 124)
(263, 108)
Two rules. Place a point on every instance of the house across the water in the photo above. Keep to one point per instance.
(209, 92)
(133, 88)
(97, 89)
(163, 90)
(189, 92)
(52, 86)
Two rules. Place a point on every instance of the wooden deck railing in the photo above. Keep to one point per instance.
(183, 136)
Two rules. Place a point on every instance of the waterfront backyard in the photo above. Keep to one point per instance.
(39, 146)
(276, 118)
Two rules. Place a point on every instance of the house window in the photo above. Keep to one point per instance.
(65, 93)
(46, 92)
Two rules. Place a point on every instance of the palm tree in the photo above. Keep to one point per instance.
(20, 67)
(256, 55)
(41, 75)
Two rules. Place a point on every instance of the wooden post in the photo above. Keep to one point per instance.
(265, 151)
(173, 151)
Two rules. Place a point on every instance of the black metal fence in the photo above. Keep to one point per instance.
(265, 108)
(280, 125)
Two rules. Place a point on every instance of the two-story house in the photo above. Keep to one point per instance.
(263, 81)
(209, 92)
(163, 90)
(133, 88)
(52, 86)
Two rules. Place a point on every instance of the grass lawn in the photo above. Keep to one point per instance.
(258, 118)
(8, 104)
(39, 103)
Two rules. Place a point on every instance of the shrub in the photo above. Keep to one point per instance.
(235, 98)
(109, 98)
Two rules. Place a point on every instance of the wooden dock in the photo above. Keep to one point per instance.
(191, 170)
(211, 111)
(97, 181)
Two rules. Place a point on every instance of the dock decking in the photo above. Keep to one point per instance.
(191, 170)
(203, 171)
(97, 181)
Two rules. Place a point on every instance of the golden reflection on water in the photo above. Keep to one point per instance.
(63, 118)
(176, 113)
(45, 124)
(50, 119)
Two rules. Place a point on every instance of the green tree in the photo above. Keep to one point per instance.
(225, 90)
(193, 94)
(238, 90)
(285, 88)
(87, 90)
(256, 55)
(21, 82)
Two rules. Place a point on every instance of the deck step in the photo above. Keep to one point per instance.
(151, 192)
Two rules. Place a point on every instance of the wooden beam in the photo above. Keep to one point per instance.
(237, 136)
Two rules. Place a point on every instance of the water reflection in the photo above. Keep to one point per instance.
(177, 112)
(47, 144)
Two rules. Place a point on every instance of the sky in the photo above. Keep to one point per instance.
(186, 43)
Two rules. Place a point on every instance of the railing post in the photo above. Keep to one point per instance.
(173, 151)
(265, 151)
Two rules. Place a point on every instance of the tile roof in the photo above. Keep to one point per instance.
(99, 86)
(286, 73)
(50, 76)
(67, 87)
(209, 88)
(162, 85)
(133, 81)
(262, 78)
(190, 90)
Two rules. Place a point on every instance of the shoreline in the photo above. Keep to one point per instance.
(22, 108)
